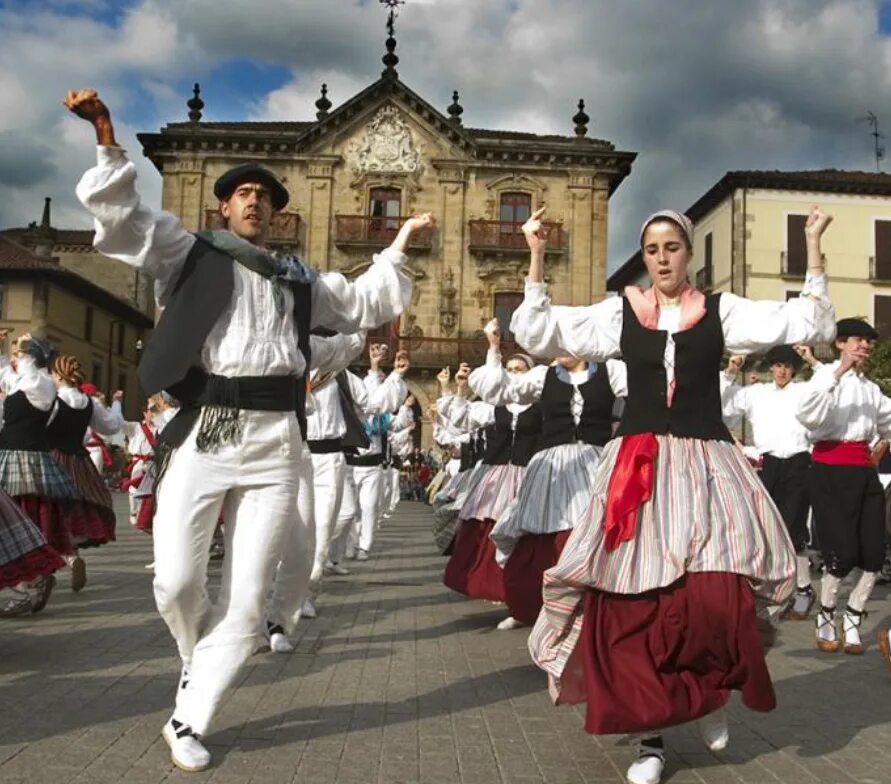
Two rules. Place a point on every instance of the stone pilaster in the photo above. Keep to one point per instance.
(319, 221)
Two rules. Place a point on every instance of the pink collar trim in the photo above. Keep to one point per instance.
(646, 306)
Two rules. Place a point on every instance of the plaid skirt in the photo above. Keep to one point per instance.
(34, 473)
(24, 553)
(89, 518)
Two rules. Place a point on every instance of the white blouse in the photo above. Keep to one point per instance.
(250, 337)
(852, 409)
(593, 332)
(36, 383)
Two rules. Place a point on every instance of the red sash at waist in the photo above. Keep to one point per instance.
(842, 453)
(630, 486)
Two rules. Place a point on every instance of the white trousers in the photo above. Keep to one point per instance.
(346, 517)
(292, 574)
(300, 572)
(254, 483)
(395, 490)
(368, 494)
(97, 458)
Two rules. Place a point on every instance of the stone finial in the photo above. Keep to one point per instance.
(581, 120)
(195, 104)
(323, 104)
(455, 110)
(45, 222)
(390, 59)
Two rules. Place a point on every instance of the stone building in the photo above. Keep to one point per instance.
(356, 172)
(55, 285)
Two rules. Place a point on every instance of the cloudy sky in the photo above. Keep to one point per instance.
(696, 87)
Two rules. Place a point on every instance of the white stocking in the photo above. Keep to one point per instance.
(829, 590)
(862, 591)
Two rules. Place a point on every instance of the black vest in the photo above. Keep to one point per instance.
(558, 425)
(468, 456)
(202, 292)
(24, 426)
(505, 445)
(695, 411)
(354, 437)
(66, 432)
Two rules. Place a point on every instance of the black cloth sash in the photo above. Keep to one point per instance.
(365, 461)
(325, 446)
(242, 393)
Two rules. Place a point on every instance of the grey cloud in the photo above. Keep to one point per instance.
(24, 160)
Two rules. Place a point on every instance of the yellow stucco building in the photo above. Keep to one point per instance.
(358, 170)
(749, 239)
(55, 286)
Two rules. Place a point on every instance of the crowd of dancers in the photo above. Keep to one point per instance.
(599, 495)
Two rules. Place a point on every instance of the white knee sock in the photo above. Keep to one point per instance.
(829, 590)
(862, 591)
(802, 571)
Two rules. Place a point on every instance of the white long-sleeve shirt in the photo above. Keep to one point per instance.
(324, 419)
(772, 412)
(498, 387)
(36, 383)
(105, 421)
(593, 332)
(851, 409)
(250, 337)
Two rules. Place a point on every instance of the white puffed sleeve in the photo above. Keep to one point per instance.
(751, 325)
(591, 332)
(618, 377)
(496, 386)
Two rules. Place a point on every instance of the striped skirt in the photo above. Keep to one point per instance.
(447, 505)
(24, 553)
(708, 512)
(556, 491)
(90, 516)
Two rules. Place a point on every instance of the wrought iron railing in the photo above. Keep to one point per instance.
(375, 231)
(508, 235)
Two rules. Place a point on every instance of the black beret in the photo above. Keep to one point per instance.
(252, 172)
(785, 354)
(855, 328)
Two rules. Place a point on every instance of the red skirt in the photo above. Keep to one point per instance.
(51, 517)
(30, 566)
(90, 517)
(531, 556)
(472, 569)
(669, 656)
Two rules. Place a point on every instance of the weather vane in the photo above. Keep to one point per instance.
(392, 5)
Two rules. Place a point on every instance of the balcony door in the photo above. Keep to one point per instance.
(506, 302)
(514, 210)
(384, 207)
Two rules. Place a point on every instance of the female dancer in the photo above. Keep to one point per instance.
(91, 518)
(650, 613)
(472, 569)
(578, 405)
(28, 472)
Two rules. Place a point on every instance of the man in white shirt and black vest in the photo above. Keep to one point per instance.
(233, 345)
(845, 413)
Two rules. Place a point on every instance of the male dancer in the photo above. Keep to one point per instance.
(232, 346)
(782, 444)
(845, 412)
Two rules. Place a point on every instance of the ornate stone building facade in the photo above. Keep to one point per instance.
(357, 171)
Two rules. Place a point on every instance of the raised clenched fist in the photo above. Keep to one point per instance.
(401, 363)
(536, 234)
(816, 222)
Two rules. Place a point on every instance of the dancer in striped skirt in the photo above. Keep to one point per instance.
(91, 515)
(515, 430)
(650, 614)
(578, 402)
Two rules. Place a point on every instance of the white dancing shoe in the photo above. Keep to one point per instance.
(186, 749)
(714, 731)
(308, 610)
(280, 643)
(335, 568)
(362, 555)
(827, 634)
(509, 623)
(851, 621)
(648, 767)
